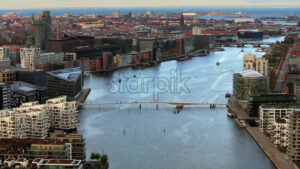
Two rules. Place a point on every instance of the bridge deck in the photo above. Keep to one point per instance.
(153, 102)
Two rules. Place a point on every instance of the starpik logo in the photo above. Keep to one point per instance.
(174, 83)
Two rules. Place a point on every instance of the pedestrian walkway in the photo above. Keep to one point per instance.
(278, 159)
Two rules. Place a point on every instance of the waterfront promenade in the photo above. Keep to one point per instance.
(278, 159)
(240, 113)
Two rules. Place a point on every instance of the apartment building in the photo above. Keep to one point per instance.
(5, 64)
(28, 121)
(4, 53)
(76, 142)
(33, 59)
(29, 56)
(59, 150)
(274, 121)
(261, 65)
(294, 136)
(5, 96)
(33, 120)
(7, 76)
(63, 114)
(33, 148)
(249, 62)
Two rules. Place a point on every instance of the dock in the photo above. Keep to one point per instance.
(240, 113)
(84, 93)
(277, 158)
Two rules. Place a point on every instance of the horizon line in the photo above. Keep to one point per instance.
(158, 7)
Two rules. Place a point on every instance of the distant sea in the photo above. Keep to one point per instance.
(252, 12)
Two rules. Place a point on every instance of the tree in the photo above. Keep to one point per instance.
(95, 156)
(104, 159)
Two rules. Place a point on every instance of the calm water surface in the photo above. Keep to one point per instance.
(197, 137)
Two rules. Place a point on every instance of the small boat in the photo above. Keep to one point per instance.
(120, 80)
(134, 76)
(242, 50)
(231, 115)
(217, 63)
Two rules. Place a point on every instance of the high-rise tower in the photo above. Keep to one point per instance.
(46, 19)
(42, 30)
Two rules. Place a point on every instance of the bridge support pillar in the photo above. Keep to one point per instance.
(157, 107)
(179, 106)
(212, 106)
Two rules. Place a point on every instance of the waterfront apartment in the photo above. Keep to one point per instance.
(273, 121)
(32, 120)
(249, 82)
(63, 114)
(294, 136)
(28, 121)
(76, 143)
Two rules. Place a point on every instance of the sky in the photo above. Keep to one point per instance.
(27, 4)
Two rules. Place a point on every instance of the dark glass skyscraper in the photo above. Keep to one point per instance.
(42, 30)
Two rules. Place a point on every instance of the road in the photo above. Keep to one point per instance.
(284, 68)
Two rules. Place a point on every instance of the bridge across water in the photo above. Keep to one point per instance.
(153, 102)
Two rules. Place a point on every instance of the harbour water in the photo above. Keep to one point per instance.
(197, 137)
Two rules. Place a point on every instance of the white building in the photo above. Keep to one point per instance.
(261, 65)
(4, 53)
(196, 30)
(28, 121)
(274, 121)
(32, 120)
(32, 58)
(29, 56)
(63, 114)
(293, 149)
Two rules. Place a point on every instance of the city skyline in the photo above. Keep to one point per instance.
(15, 4)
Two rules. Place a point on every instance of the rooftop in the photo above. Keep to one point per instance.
(71, 74)
(251, 74)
